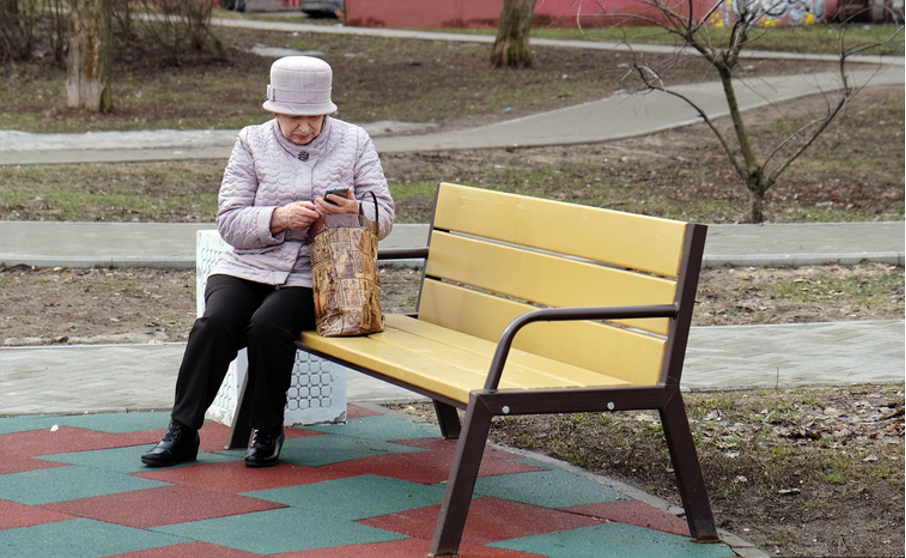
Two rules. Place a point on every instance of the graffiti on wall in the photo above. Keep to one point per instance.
(772, 12)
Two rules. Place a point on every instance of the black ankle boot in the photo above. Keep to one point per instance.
(264, 451)
(179, 444)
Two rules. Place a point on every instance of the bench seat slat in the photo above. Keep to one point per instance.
(546, 279)
(629, 355)
(524, 370)
(449, 363)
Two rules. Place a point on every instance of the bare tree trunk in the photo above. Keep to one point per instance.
(751, 169)
(90, 54)
(756, 207)
(511, 47)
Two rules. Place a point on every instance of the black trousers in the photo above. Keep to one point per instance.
(240, 313)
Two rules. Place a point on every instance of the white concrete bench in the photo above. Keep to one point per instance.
(318, 390)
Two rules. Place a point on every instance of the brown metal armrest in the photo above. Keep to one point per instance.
(563, 315)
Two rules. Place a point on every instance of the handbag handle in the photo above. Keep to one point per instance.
(377, 221)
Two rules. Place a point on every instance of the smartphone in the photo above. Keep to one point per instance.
(342, 192)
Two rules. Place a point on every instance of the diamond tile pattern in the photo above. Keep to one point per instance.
(74, 486)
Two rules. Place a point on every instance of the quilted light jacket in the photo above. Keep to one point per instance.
(266, 171)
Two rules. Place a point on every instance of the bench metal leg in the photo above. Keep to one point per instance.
(689, 478)
(448, 419)
(463, 474)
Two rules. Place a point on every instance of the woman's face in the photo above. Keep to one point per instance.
(300, 129)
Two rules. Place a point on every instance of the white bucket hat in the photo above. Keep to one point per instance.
(300, 85)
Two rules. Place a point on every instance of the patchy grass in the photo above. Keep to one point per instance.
(853, 173)
(811, 39)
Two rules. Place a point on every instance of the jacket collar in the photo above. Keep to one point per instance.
(313, 149)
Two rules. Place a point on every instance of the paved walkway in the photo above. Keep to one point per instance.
(73, 485)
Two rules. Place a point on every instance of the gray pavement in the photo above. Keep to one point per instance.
(116, 378)
(73, 244)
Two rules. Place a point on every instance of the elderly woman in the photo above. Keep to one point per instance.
(259, 294)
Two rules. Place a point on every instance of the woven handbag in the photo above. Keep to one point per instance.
(345, 277)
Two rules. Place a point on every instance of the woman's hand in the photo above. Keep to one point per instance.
(338, 204)
(295, 216)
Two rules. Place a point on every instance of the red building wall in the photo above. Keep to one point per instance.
(478, 14)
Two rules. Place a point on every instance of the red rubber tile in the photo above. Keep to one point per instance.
(14, 515)
(214, 436)
(490, 520)
(634, 512)
(428, 467)
(233, 477)
(354, 412)
(68, 439)
(450, 446)
(406, 548)
(20, 464)
(192, 549)
(166, 505)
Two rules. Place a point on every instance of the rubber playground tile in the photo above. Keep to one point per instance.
(428, 467)
(436, 442)
(380, 428)
(14, 515)
(554, 488)
(24, 423)
(68, 439)
(20, 463)
(635, 512)
(489, 520)
(214, 437)
(123, 460)
(317, 451)
(279, 531)
(615, 540)
(67, 483)
(165, 505)
(116, 423)
(406, 548)
(355, 411)
(193, 549)
(234, 477)
(356, 498)
(80, 538)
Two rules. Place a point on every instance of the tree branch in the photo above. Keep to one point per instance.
(643, 72)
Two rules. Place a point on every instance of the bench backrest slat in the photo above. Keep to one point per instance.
(493, 256)
(634, 241)
(546, 279)
(616, 352)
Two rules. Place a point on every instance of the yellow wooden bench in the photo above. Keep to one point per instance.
(535, 306)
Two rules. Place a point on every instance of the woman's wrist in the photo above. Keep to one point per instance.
(277, 223)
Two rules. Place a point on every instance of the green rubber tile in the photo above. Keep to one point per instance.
(279, 531)
(356, 498)
(555, 488)
(315, 451)
(614, 540)
(112, 423)
(25, 423)
(117, 423)
(381, 428)
(59, 484)
(79, 538)
(128, 460)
